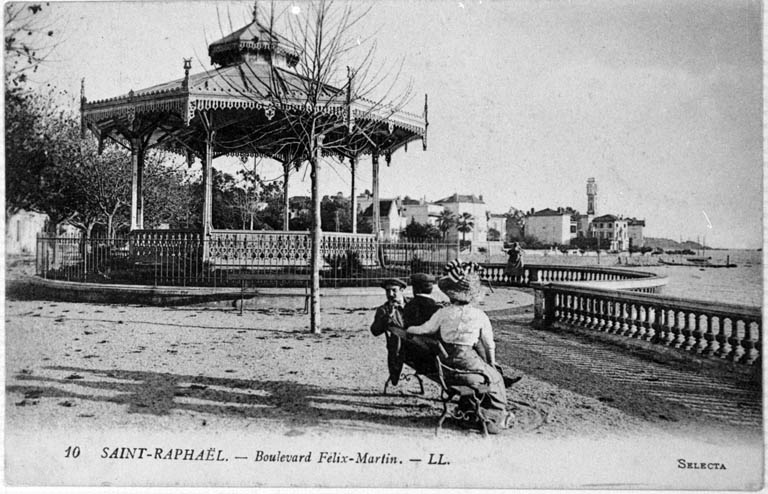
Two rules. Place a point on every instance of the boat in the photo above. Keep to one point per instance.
(698, 259)
(703, 263)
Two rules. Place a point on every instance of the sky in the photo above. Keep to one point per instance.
(659, 101)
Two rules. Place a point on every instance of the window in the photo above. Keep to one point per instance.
(573, 228)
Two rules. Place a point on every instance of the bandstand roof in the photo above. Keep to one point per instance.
(252, 86)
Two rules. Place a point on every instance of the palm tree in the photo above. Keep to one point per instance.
(445, 222)
(465, 223)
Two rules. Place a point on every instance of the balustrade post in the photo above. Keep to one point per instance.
(680, 329)
(611, 325)
(597, 314)
(750, 343)
(724, 347)
(710, 337)
(634, 320)
(736, 341)
(605, 314)
(623, 329)
(695, 335)
(587, 321)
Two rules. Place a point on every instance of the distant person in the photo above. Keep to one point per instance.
(514, 269)
(460, 326)
(389, 320)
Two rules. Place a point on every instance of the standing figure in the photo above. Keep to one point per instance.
(388, 321)
(514, 269)
(461, 326)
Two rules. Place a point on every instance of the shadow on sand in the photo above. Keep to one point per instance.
(290, 402)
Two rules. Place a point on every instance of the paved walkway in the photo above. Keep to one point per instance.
(655, 391)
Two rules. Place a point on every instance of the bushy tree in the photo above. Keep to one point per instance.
(335, 214)
(415, 231)
(445, 222)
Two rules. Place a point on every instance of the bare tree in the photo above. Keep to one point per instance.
(30, 39)
(324, 107)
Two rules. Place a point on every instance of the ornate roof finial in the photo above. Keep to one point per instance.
(82, 90)
(255, 10)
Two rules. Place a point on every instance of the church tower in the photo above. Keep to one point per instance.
(591, 196)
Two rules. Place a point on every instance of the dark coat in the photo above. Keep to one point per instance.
(385, 319)
(419, 310)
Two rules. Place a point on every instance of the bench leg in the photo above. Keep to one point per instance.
(421, 383)
(444, 399)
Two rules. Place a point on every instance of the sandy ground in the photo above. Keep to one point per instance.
(100, 366)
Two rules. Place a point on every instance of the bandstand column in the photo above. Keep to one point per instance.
(375, 186)
(137, 189)
(352, 165)
(208, 186)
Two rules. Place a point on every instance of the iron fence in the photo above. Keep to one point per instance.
(270, 259)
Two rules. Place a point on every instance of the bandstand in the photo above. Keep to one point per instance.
(248, 105)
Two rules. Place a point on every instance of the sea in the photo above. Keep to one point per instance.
(742, 285)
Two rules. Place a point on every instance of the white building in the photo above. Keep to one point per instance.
(459, 204)
(420, 211)
(613, 232)
(391, 222)
(21, 231)
(497, 222)
(551, 226)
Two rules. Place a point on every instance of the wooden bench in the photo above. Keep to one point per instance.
(244, 278)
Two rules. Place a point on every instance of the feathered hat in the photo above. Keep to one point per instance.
(461, 282)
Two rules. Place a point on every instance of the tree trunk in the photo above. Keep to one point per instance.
(353, 201)
(314, 322)
(286, 210)
(110, 230)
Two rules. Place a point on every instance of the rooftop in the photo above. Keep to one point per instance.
(471, 199)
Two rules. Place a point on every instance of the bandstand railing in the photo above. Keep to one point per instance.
(185, 258)
(725, 331)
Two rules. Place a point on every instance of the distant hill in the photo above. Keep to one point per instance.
(669, 244)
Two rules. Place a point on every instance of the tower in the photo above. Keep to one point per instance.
(591, 195)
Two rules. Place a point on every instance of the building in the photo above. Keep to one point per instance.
(21, 230)
(635, 232)
(552, 226)
(420, 211)
(612, 232)
(560, 226)
(459, 204)
(391, 221)
(497, 222)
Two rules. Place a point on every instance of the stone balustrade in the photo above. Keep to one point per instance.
(725, 331)
(606, 277)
